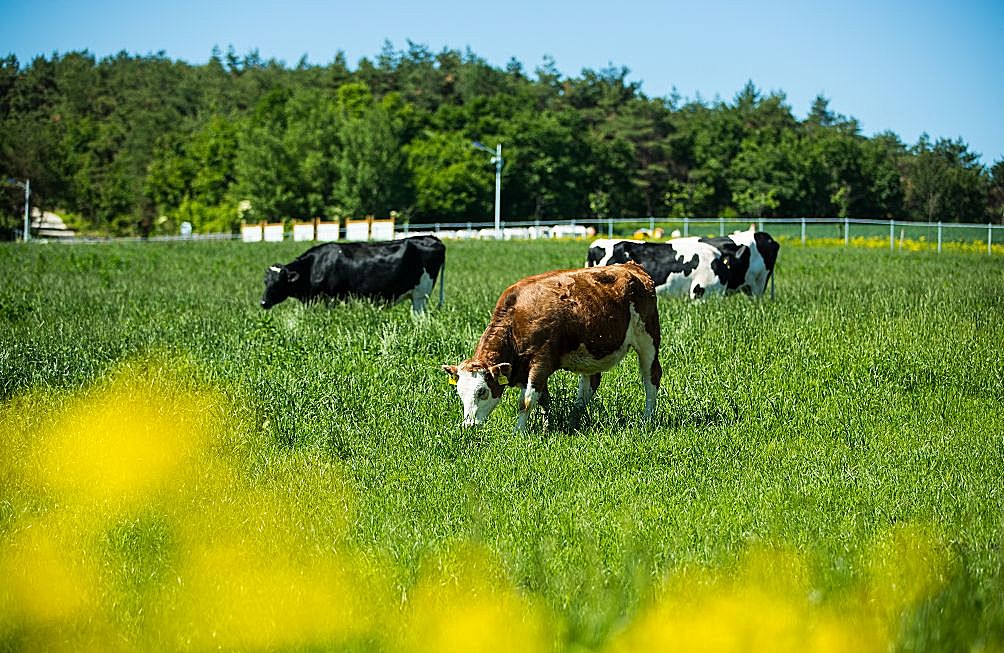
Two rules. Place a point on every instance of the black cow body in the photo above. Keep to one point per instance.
(387, 271)
(695, 267)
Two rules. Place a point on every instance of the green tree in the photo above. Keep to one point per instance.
(996, 192)
(370, 162)
(945, 181)
(450, 179)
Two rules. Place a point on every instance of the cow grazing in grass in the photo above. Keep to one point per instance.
(697, 267)
(386, 271)
(580, 320)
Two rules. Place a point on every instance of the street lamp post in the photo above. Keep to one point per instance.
(27, 204)
(497, 160)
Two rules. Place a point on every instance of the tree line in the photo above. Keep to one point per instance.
(135, 145)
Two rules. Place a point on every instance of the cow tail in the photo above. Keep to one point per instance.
(442, 283)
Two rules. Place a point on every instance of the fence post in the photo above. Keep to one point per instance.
(761, 224)
(939, 236)
(803, 232)
(437, 228)
(721, 226)
(990, 237)
(892, 235)
(686, 226)
(651, 224)
(847, 231)
(610, 227)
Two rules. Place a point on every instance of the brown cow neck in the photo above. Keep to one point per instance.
(495, 346)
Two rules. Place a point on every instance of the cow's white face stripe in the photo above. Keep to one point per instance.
(275, 268)
(476, 397)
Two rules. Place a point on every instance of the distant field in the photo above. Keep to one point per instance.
(183, 471)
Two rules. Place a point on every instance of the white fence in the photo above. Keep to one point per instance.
(896, 234)
(899, 233)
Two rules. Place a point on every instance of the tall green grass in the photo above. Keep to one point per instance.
(831, 459)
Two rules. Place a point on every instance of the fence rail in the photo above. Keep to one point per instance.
(899, 234)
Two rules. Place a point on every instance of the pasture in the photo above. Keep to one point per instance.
(184, 471)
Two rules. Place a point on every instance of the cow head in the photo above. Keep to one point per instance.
(480, 387)
(279, 282)
(731, 268)
(768, 248)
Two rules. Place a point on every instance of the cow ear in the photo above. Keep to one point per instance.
(452, 371)
(292, 275)
(501, 372)
(743, 252)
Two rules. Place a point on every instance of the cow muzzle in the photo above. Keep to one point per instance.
(471, 421)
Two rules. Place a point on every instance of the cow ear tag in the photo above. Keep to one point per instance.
(503, 380)
(453, 380)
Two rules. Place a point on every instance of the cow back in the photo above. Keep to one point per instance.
(548, 315)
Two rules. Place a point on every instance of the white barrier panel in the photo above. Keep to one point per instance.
(303, 231)
(568, 231)
(382, 230)
(519, 233)
(273, 233)
(357, 230)
(327, 231)
(489, 234)
(251, 233)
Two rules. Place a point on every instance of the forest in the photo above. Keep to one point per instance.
(137, 144)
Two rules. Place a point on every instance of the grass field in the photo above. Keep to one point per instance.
(183, 471)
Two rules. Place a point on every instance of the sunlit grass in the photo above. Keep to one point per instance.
(182, 471)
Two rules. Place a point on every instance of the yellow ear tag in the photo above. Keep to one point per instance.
(503, 380)
(453, 380)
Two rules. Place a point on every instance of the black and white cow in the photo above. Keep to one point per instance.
(387, 271)
(697, 267)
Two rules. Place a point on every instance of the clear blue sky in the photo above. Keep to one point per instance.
(910, 66)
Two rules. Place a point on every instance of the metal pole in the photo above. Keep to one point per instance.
(686, 226)
(721, 226)
(892, 235)
(847, 231)
(803, 232)
(610, 227)
(939, 236)
(27, 211)
(990, 237)
(498, 188)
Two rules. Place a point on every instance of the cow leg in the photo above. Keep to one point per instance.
(529, 398)
(420, 295)
(651, 371)
(587, 388)
(545, 408)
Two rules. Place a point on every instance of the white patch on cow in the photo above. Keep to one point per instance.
(756, 274)
(607, 246)
(275, 268)
(420, 295)
(678, 283)
(476, 397)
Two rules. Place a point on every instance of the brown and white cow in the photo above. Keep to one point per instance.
(581, 320)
